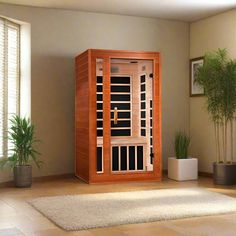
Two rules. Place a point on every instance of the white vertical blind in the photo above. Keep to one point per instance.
(9, 78)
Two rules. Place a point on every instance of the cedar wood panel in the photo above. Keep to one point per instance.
(81, 117)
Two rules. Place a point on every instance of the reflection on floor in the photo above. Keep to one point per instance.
(21, 219)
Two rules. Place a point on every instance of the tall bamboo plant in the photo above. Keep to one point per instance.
(217, 75)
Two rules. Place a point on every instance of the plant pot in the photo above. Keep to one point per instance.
(23, 176)
(182, 169)
(224, 174)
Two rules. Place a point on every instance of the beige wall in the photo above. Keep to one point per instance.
(58, 36)
(207, 35)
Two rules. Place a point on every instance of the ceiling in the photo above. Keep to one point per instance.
(183, 10)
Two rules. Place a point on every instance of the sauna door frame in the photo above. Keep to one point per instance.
(108, 175)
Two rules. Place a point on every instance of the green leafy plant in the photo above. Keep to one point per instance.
(218, 78)
(182, 142)
(21, 136)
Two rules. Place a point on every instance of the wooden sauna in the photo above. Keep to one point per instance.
(118, 116)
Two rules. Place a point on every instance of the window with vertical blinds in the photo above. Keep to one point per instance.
(9, 78)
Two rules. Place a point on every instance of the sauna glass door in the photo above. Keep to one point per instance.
(124, 124)
(131, 93)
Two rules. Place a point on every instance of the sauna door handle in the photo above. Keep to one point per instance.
(115, 115)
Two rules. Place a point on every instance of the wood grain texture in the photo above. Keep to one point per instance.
(86, 137)
(81, 117)
(106, 116)
(157, 142)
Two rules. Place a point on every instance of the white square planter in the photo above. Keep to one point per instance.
(182, 169)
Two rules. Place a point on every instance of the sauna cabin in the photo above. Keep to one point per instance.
(118, 116)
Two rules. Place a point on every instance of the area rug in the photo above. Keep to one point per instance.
(86, 211)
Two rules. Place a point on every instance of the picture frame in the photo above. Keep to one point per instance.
(195, 89)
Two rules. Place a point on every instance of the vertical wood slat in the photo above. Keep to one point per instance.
(156, 118)
(106, 115)
(93, 118)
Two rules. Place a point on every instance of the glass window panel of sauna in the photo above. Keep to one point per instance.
(99, 88)
(99, 106)
(120, 132)
(140, 157)
(125, 115)
(121, 114)
(143, 123)
(123, 158)
(120, 106)
(99, 97)
(142, 78)
(143, 105)
(150, 103)
(121, 123)
(120, 80)
(143, 87)
(99, 115)
(120, 89)
(99, 78)
(99, 159)
(99, 124)
(99, 100)
(143, 96)
(120, 97)
(143, 132)
(99, 132)
(115, 158)
(143, 114)
(131, 158)
(151, 155)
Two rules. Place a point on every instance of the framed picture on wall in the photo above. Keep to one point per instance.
(195, 89)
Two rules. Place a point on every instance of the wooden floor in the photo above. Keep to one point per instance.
(19, 218)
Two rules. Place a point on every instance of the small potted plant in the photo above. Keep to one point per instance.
(22, 140)
(182, 167)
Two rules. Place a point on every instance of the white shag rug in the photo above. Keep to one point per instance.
(85, 211)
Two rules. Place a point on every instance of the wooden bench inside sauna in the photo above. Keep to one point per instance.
(117, 118)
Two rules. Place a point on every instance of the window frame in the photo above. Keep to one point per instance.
(6, 25)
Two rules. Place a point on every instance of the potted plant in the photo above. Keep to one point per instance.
(182, 167)
(21, 151)
(218, 78)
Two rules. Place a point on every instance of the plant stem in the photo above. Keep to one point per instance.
(223, 141)
(225, 156)
(232, 138)
(218, 140)
(216, 134)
